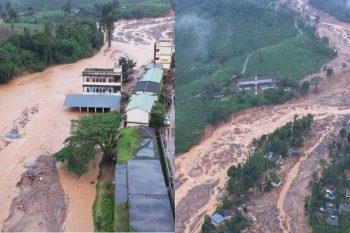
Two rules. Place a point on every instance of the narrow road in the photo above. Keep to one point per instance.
(244, 69)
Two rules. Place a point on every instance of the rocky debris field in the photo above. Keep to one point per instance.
(41, 204)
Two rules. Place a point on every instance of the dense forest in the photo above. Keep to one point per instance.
(214, 41)
(37, 33)
(61, 43)
(338, 8)
(91, 8)
(323, 207)
(256, 174)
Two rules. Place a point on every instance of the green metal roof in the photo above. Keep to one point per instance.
(142, 101)
(154, 75)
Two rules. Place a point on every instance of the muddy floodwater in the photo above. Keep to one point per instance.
(32, 106)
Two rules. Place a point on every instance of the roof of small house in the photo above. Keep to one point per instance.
(147, 86)
(343, 208)
(154, 75)
(259, 78)
(121, 189)
(92, 101)
(142, 101)
(148, 132)
(347, 173)
(332, 220)
(217, 218)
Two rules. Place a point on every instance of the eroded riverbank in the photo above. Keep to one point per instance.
(46, 129)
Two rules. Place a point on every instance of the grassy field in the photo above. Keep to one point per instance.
(213, 42)
(103, 208)
(128, 143)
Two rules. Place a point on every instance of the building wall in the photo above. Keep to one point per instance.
(137, 115)
(103, 79)
(88, 89)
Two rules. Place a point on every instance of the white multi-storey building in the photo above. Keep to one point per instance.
(103, 81)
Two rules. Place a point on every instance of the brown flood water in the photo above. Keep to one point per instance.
(44, 131)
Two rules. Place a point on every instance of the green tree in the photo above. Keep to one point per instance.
(342, 133)
(157, 116)
(329, 72)
(304, 89)
(67, 7)
(107, 20)
(87, 134)
(128, 67)
(315, 82)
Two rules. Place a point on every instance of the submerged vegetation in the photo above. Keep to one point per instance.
(214, 41)
(256, 175)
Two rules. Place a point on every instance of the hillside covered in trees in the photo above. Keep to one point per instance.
(61, 43)
(338, 8)
(218, 42)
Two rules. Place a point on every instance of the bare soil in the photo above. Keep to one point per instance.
(41, 204)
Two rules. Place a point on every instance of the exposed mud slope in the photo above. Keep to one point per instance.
(41, 204)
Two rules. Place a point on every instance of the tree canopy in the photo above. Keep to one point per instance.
(108, 18)
(87, 134)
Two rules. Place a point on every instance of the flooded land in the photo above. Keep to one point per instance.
(33, 121)
(201, 176)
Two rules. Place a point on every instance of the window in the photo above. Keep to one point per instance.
(93, 80)
(88, 89)
(87, 80)
(104, 80)
(157, 58)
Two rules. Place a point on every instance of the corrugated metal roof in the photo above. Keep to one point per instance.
(121, 188)
(145, 177)
(151, 214)
(92, 101)
(143, 101)
(154, 75)
(147, 86)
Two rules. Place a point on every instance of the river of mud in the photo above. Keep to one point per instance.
(32, 105)
(201, 172)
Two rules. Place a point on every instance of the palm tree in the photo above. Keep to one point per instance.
(107, 20)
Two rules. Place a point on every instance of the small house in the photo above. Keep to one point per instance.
(138, 110)
(257, 83)
(332, 220)
(343, 208)
(347, 175)
(217, 219)
(347, 192)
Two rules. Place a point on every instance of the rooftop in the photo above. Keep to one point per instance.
(142, 101)
(148, 132)
(259, 78)
(121, 194)
(146, 149)
(92, 101)
(101, 71)
(153, 75)
(147, 86)
(217, 218)
(151, 214)
(145, 177)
